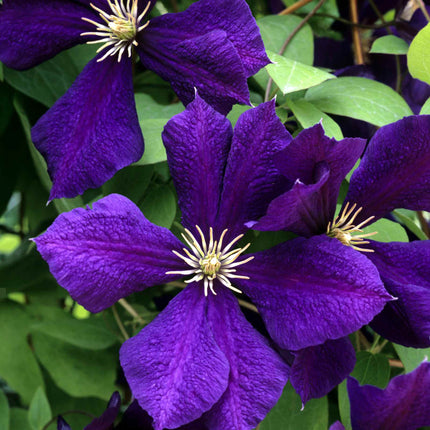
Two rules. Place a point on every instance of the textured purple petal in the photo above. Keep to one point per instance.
(92, 131)
(208, 62)
(174, 366)
(197, 143)
(103, 254)
(251, 178)
(405, 270)
(257, 373)
(312, 290)
(318, 369)
(403, 405)
(33, 31)
(301, 210)
(394, 171)
(320, 164)
(232, 16)
(107, 419)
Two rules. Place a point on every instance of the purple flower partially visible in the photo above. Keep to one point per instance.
(93, 131)
(200, 359)
(394, 173)
(403, 405)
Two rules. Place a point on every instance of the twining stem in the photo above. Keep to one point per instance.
(423, 223)
(289, 39)
(131, 311)
(423, 8)
(294, 7)
(358, 49)
(395, 363)
(119, 323)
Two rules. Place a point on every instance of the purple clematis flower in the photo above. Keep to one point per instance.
(200, 359)
(403, 405)
(394, 173)
(93, 131)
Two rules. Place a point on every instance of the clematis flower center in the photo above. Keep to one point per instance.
(343, 229)
(210, 260)
(119, 30)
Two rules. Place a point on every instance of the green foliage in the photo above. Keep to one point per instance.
(288, 414)
(290, 75)
(419, 55)
(411, 357)
(39, 412)
(4, 412)
(389, 45)
(388, 231)
(359, 98)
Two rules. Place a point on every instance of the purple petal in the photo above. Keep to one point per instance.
(62, 424)
(102, 254)
(33, 31)
(197, 143)
(251, 178)
(394, 171)
(301, 210)
(174, 367)
(92, 131)
(107, 419)
(320, 164)
(318, 369)
(403, 405)
(404, 268)
(208, 62)
(135, 418)
(312, 290)
(337, 426)
(257, 373)
(232, 16)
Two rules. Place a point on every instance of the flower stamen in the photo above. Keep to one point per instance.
(120, 28)
(343, 229)
(210, 261)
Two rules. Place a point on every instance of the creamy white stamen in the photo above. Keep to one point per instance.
(120, 29)
(210, 261)
(343, 229)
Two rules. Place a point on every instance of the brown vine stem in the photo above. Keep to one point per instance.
(423, 223)
(395, 363)
(119, 323)
(131, 311)
(358, 49)
(294, 7)
(289, 39)
(422, 6)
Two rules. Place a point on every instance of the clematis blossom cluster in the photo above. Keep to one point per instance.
(200, 361)
(92, 131)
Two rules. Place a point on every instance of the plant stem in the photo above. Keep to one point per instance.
(289, 39)
(131, 310)
(119, 323)
(358, 49)
(294, 7)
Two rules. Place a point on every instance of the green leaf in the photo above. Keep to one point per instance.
(39, 412)
(287, 413)
(419, 55)
(411, 357)
(62, 205)
(82, 333)
(48, 81)
(308, 115)
(159, 205)
(18, 366)
(152, 119)
(290, 75)
(372, 369)
(4, 412)
(425, 110)
(19, 419)
(79, 372)
(401, 216)
(274, 30)
(236, 112)
(388, 231)
(359, 98)
(389, 45)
